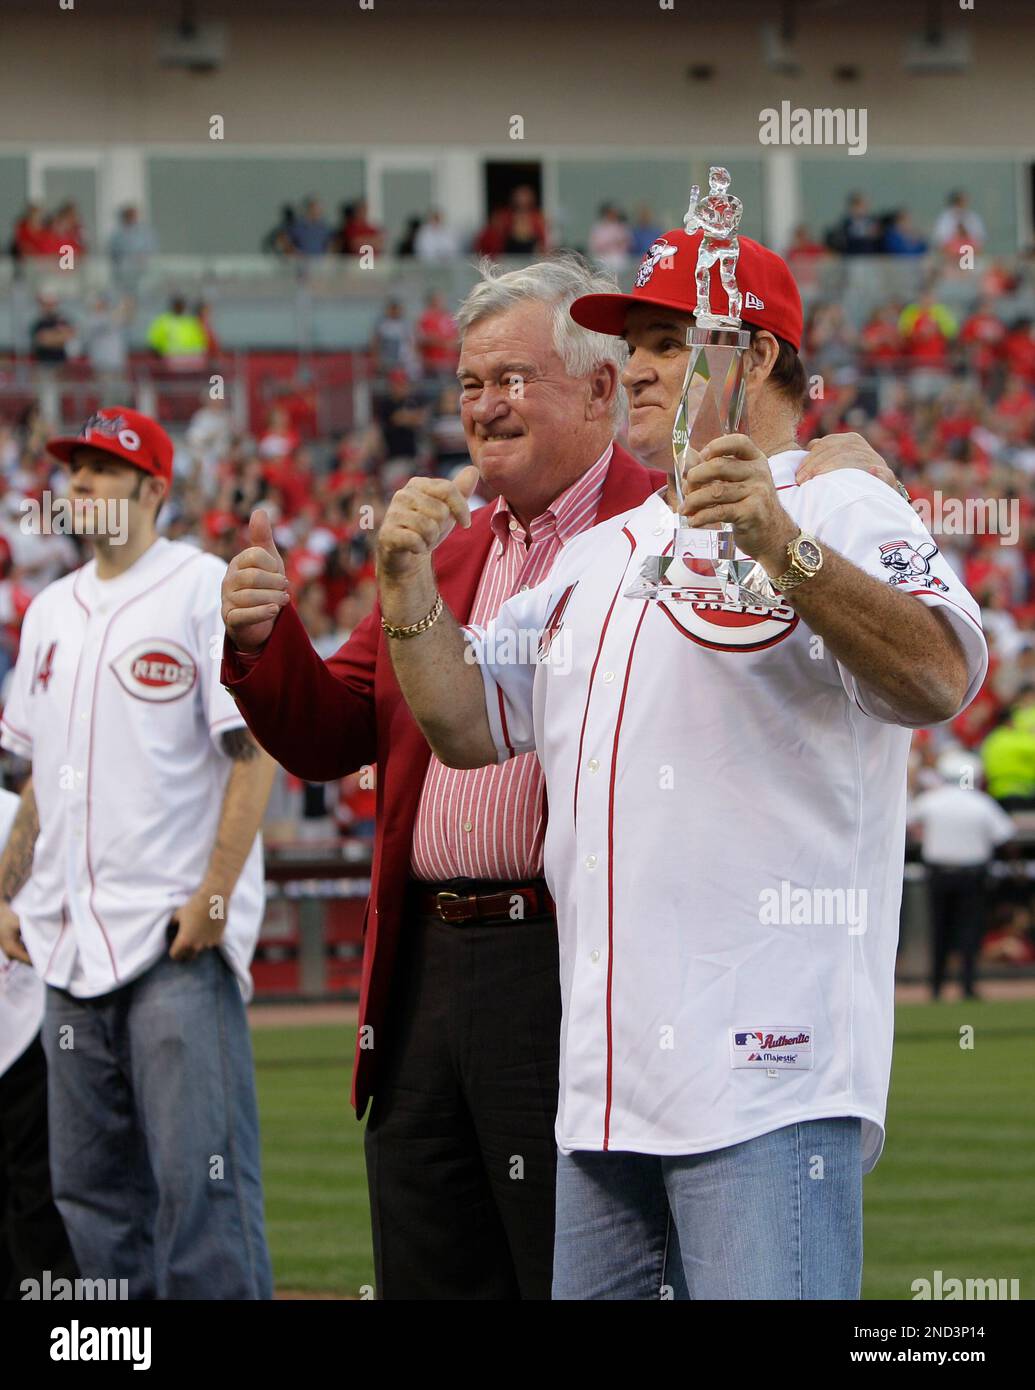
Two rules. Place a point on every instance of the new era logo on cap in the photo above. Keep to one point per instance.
(752, 301)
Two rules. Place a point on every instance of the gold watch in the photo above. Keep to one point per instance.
(806, 558)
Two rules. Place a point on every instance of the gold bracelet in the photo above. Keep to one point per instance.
(414, 629)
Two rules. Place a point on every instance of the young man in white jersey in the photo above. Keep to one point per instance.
(727, 815)
(133, 882)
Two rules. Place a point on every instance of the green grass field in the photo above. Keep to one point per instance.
(955, 1189)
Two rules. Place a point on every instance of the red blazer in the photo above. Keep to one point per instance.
(324, 719)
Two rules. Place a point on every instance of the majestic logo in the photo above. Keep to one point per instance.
(659, 251)
(907, 563)
(729, 627)
(155, 669)
(752, 301)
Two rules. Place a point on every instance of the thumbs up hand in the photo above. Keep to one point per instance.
(419, 518)
(255, 588)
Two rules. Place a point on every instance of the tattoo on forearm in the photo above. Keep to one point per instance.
(16, 864)
(239, 745)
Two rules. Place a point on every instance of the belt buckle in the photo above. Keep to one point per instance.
(445, 896)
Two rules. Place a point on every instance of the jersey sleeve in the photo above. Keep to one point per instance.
(16, 724)
(507, 652)
(219, 708)
(878, 531)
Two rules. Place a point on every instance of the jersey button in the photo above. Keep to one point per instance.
(591, 861)
(524, 588)
(468, 826)
(608, 677)
(594, 956)
(593, 765)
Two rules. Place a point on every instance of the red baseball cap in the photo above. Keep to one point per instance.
(126, 435)
(666, 277)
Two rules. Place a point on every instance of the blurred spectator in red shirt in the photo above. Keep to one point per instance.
(357, 231)
(279, 439)
(1019, 350)
(804, 256)
(880, 340)
(31, 234)
(524, 230)
(437, 340)
(981, 337)
(67, 231)
(927, 328)
(492, 239)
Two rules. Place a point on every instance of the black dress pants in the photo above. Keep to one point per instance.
(460, 1150)
(32, 1235)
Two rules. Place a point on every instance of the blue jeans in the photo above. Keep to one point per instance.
(154, 1133)
(777, 1217)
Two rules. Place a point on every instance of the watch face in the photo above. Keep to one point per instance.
(808, 554)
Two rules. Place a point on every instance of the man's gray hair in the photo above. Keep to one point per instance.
(557, 282)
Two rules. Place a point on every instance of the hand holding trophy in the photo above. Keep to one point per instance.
(712, 403)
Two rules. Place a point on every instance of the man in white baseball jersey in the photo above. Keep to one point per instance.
(32, 1236)
(727, 815)
(145, 895)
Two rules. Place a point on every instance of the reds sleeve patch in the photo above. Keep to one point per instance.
(155, 669)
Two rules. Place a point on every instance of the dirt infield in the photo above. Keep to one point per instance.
(308, 1015)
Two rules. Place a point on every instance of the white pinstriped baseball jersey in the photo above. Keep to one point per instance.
(116, 700)
(725, 841)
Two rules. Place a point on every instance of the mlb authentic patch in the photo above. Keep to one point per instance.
(786, 1047)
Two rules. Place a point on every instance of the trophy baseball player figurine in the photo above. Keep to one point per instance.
(713, 403)
(718, 216)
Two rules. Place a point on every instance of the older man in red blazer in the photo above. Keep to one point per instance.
(459, 1011)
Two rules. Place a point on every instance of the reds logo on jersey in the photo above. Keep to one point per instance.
(908, 562)
(155, 669)
(729, 627)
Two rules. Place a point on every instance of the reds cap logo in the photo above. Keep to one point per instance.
(710, 621)
(155, 669)
(659, 251)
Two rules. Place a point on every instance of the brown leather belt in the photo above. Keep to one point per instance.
(470, 900)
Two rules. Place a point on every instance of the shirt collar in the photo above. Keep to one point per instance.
(570, 512)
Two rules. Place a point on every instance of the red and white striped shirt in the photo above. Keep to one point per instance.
(487, 822)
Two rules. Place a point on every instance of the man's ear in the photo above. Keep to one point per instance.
(158, 489)
(762, 353)
(603, 387)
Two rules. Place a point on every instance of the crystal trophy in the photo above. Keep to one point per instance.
(712, 403)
